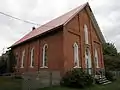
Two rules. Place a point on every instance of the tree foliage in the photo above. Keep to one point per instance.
(2, 65)
(12, 61)
(111, 57)
(7, 62)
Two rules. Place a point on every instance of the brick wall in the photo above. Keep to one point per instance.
(55, 52)
(74, 32)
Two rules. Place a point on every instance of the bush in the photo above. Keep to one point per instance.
(76, 78)
(110, 76)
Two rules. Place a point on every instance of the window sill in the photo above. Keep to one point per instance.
(31, 66)
(44, 67)
(76, 67)
(97, 67)
(87, 45)
(21, 67)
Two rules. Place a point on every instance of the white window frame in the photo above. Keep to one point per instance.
(86, 34)
(76, 55)
(32, 57)
(43, 58)
(97, 59)
(23, 59)
(88, 61)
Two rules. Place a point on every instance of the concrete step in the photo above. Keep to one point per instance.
(103, 81)
(107, 83)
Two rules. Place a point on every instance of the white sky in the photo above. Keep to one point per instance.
(41, 11)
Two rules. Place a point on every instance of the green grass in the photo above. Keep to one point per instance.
(15, 84)
(113, 86)
(7, 83)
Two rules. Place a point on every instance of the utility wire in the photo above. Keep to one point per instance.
(23, 20)
(19, 19)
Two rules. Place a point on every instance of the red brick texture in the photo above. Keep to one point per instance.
(74, 32)
(60, 46)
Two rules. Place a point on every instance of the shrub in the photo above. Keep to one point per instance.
(110, 76)
(76, 78)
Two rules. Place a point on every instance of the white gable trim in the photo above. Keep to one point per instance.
(92, 17)
(95, 24)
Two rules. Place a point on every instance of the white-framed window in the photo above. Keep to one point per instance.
(88, 62)
(45, 57)
(23, 59)
(86, 34)
(76, 55)
(96, 59)
(32, 58)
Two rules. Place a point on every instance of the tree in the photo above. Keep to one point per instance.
(7, 62)
(12, 61)
(2, 66)
(111, 57)
(109, 49)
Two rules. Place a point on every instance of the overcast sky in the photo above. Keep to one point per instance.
(41, 11)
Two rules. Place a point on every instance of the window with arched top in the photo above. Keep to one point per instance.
(76, 55)
(96, 59)
(45, 57)
(23, 59)
(86, 34)
(32, 57)
(88, 62)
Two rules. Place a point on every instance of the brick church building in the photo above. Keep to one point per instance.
(73, 40)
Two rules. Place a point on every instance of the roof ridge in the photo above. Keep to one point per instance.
(79, 7)
(61, 20)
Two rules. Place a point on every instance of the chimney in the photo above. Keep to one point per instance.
(33, 28)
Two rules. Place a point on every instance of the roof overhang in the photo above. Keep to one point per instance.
(53, 29)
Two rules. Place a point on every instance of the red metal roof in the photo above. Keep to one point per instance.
(50, 25)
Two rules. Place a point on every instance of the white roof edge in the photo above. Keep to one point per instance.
(96, 26)
(92, 17)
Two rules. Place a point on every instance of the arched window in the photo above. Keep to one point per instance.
(32, 57)
(23, 59)
(88, 63)
(96, 59)
(86, 34)
(87, 57)
(76, 55)
(45, 58)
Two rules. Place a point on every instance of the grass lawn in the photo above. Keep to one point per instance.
(113, 86)
(15, 84)
(7, 83)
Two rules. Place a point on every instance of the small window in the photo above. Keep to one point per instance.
(86, 34)
(96, 59)
(23, 59)
(76, 55)
(45, 57)
(32, 57)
